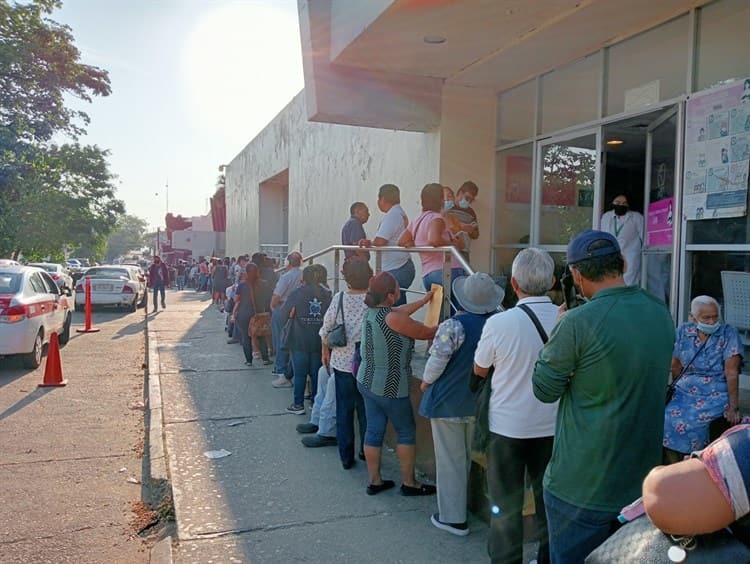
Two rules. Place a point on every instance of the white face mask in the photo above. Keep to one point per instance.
(464, 203)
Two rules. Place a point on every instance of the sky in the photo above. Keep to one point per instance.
(193, 82)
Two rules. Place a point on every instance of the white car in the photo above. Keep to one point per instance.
(111, 285)
(58, 273)
(31, 309)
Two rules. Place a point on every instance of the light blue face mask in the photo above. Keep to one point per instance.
(448, 205)
(706, 328)
(464, 203)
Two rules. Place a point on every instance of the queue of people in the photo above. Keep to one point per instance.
(575, 399)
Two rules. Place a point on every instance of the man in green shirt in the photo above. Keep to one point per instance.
(607, 362)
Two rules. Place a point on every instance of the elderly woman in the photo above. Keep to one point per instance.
(706, 362)
(388, 335)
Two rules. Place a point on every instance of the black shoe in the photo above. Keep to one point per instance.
(374, 489)
(349, 464)
(424, 489)
(315, 441)
(362, 454)
(163, 305)
(307, 428)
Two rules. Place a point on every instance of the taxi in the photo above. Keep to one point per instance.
(31, 309)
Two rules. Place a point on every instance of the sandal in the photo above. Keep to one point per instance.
(373, 489)
(424, 489)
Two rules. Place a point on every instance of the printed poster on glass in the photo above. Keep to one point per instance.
(717, 152)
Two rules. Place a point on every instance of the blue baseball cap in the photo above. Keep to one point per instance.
(580, 246)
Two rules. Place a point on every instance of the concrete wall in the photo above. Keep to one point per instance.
(200, 243)
(330, 166)
(467, 152)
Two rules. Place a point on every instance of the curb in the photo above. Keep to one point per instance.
(157, 477)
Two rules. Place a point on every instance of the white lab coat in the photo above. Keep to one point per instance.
(628, 229)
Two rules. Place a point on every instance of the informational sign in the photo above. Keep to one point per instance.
(717, 152)
(659, 223)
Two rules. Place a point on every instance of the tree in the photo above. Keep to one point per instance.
(128, 235)
(51, 196)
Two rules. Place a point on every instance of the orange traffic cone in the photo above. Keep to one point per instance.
(53, 369)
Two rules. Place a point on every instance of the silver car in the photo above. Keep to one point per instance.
(58, 273)
(111, 285)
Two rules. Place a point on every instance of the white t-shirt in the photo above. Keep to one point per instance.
(391, 227)
(511, 343)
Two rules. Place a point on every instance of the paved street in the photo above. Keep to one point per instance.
(65, 497)
(271, 500)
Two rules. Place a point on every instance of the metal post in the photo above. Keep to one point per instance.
(378, 261)
(446, 309)
(336, 269)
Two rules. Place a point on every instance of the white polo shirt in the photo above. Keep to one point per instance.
(391, 227)
(511, 343)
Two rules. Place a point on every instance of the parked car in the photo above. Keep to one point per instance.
(58, 273)
(8, 262)
(140, 275)
(74, 264)
(31, 309)
(111, 285)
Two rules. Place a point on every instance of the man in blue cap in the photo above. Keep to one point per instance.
(607, 362)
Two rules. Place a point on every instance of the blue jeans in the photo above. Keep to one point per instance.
(282, 355)
(180, 281)
(404, 275)
(379, 410)
(348, 399)
(305, 364)
(574, 532)
(158, 289)
(436, 277)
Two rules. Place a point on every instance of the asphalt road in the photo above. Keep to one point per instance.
(67, 454)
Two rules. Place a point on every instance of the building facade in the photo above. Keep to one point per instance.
(553, 108)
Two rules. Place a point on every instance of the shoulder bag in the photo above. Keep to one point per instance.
(337, 336)
(260, 322)
(671, 387)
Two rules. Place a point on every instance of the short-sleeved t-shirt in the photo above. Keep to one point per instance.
(354, 311)
(511, 343)
(351, 233)
(391, 227)
(288, 282)
(419, 229)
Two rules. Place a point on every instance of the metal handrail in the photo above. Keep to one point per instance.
(447, 251)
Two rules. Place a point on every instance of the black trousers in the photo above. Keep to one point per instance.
(508, 460)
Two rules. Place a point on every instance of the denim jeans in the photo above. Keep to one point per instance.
(282, 355)
(436, 277)
(508, 460)
(348, 399)
(379, 410)
(574, 532)
(404, 275)
(305, 364)
(324, 408)
(241, 322)
(158, 289)
(180, 281)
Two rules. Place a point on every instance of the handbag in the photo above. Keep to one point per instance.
(640, 541)
(671, 387)
(260, 323)
(480, 441)
(337, 336)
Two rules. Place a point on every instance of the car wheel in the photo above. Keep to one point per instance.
(34, 358)
(65, 335)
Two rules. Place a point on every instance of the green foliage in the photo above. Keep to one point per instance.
(129, 234)
(52, 197)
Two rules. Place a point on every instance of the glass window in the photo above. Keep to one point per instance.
(37, 284)
(723, 42)
(568, 178)
(513, 203)
(649, 67)
(570, 94)
(704, 272)
(515, 113)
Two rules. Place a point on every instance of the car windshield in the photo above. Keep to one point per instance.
(108, 273)
(10, 282)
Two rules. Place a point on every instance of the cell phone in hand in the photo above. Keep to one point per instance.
(569, 289)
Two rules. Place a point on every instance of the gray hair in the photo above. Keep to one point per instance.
(533, 269)
(702, 301)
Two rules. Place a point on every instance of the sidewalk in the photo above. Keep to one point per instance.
(272, 499)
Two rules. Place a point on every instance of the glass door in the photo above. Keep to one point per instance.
(567, 196)
(660, 209)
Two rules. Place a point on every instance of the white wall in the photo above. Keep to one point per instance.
(200, 243)
(330, 166)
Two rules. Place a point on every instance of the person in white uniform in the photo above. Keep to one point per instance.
(627, 227)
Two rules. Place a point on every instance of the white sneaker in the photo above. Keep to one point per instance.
(281, 382)
(458, 529)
